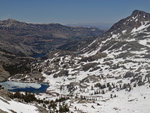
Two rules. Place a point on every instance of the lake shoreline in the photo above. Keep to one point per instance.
(24, 86)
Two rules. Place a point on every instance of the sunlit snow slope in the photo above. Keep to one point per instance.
(111, 75)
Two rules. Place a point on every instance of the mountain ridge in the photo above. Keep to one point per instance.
(111, 74)
(36, 38)
(20, 42)
(123, 28)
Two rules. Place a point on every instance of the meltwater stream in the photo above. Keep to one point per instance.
(24, 87)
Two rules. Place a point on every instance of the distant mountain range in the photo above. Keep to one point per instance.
(28, 39)
(19, 40)
(103, 26)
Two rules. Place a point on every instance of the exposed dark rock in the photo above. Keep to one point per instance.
(129, 74)
(3, 74)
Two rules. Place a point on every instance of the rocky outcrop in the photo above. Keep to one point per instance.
(3, 74)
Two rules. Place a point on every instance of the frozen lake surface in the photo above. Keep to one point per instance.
(24, 87)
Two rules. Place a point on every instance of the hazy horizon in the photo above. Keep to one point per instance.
(71, 12)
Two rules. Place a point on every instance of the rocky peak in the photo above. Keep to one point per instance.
(133, 21)
(11, 20)
(11, 23)
(140, 13)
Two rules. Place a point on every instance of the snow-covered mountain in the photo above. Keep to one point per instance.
(134, 28)
(111, 75)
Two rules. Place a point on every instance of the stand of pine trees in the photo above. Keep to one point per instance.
(28, 97)
(51, 105)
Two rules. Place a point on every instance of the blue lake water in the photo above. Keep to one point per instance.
(24, 87)
(42, 89)
(38, 55)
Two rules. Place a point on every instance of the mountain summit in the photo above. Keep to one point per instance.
(136, 19)
(12, 23)
(139, 13)
(134, 27)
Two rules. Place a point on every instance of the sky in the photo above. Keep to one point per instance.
(70, 11)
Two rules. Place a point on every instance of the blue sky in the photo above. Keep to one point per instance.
(70, 11)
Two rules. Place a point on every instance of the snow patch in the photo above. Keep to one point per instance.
(144, 42)
(143, 26)
(124, 31)
(17, 107)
